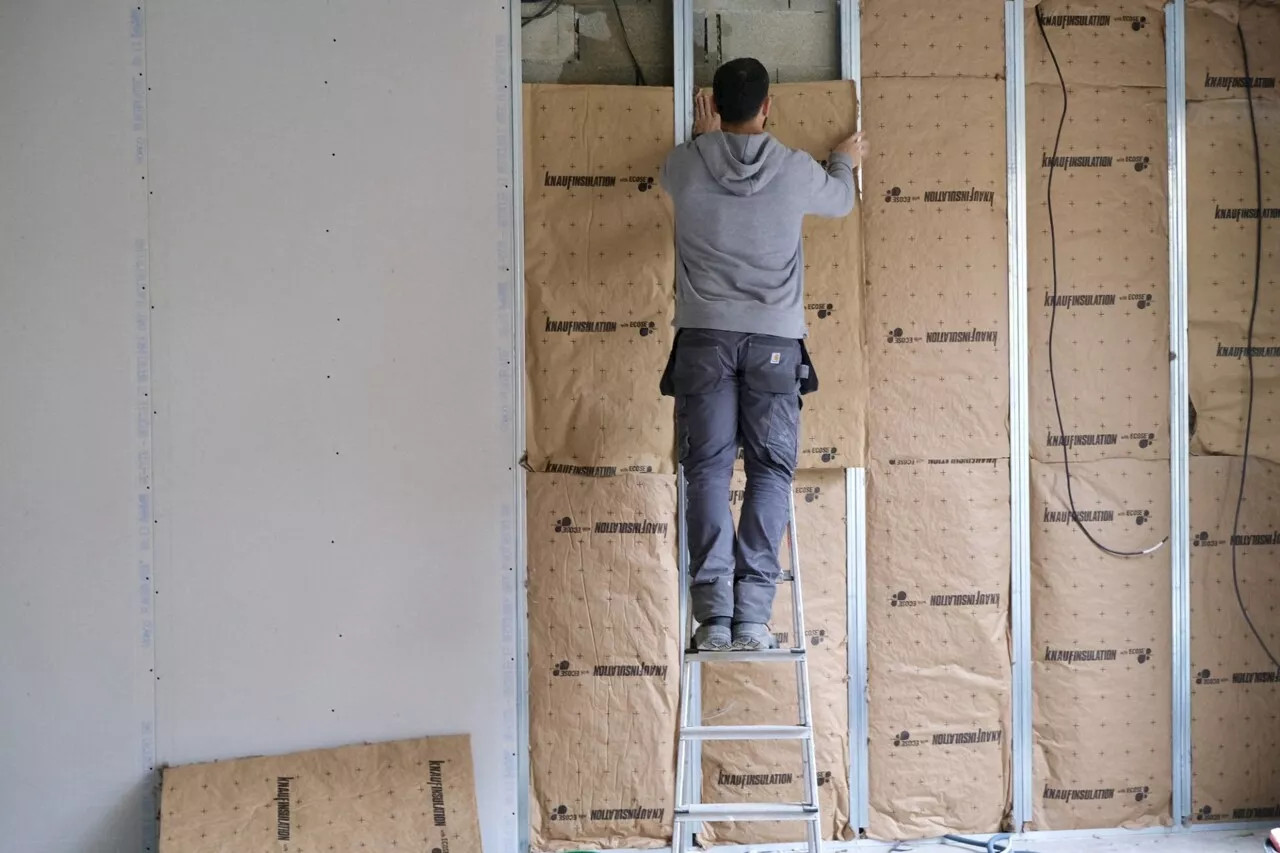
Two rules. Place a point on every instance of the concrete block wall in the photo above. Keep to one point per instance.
(581, 42)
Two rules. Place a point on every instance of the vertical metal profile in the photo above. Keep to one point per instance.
(682, 32)
(682, 63)
(1179, 416)
(855, 484)
(1019, 429)
(851, 45)
(517, 645)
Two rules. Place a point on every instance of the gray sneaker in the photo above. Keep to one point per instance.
(752, 637)
(712, 638)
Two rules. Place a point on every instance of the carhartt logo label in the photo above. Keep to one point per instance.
(284, 823)
(754, 780)
(1238, 213)
(435, 776)
(965, 336)
(571, 182)
(1212, 81)
(628, 814)
(1248, 352)
(1053, 655)
(775, 358)
(582, 470)
(1135, 22)
(633, 528)
(824, 309)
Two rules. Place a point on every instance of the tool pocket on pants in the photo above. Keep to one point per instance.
(772, 369)
(695, 369)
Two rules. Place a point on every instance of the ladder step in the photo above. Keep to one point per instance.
(713, 812)
(771, 655)
(745, 732)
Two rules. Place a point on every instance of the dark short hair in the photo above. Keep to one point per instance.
(740, 88)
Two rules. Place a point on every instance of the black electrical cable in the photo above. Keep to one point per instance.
(1248, 349)
(1053, 318)
(549, 7)
(626, 40)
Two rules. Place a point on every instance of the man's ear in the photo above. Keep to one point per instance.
(768, 105)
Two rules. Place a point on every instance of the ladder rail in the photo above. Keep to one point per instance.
(689, 811)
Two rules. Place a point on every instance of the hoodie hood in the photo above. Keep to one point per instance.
(741, 163)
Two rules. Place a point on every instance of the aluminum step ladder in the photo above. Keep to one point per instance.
(689, 810)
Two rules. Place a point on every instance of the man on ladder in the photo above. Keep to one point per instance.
(739, 364)
(737, 371)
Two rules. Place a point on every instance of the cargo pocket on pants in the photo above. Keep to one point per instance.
(772, 370)
(695, 369)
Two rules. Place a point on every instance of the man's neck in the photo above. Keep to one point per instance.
(750, 128)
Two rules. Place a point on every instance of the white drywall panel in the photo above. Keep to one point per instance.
(332, 466)
(76, 701)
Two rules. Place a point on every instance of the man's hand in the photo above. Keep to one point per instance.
(855, 148)
(705, 117)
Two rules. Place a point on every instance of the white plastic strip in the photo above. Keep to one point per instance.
(510, 278)
(1019, 430)
(856, 571)
(1179, 416)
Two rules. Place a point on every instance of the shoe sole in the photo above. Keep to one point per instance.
(715, 647)
(751, 646)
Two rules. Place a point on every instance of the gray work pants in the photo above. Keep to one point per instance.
(732, 389)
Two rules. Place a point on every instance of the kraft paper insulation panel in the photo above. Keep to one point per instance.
(923, 38)
(936, 262)
(1235, 695)
(1221, 252)
(1100, 632)
(744, 694)
(815, 117)
(1215, 67)
(603, 652)
(1104, 43)
(604, 659)
(599, 273)
(410, 795)
(938, 645)
(1110, 218)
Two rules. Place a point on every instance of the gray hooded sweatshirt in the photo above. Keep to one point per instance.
(740, 200)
